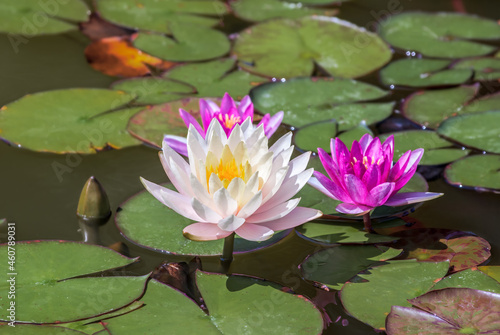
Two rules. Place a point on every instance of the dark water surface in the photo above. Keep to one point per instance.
(42, 202)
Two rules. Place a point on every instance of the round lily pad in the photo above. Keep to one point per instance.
(477, 130)
(158, 16)
(448, 311)
(370, 296)
(480, 172)
(306, 100)
(34, 17)
(26, 329)
(145, 221)
(261, 10)
(430, 108)
(82, 120)
(290, 48)
(437, 150)
(470, 278)
(445, 35)
(46, 290)
(463, 250)
(189, 43)
(151, 124)
(334, 266)
(485, 68)
(235, 304)
(417, 72)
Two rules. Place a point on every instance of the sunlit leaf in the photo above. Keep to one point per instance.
(70, 120)
(116, 56)
(27, 329)
(445, 35)
(290, 48)
(370, 296)
(470, 278)
(44, 294)
(479, 172)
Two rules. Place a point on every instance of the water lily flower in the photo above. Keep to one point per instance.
(229, 115)
(366, 177)
(235, 184)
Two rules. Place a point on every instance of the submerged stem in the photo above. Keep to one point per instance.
(368, 223)
(227, 252)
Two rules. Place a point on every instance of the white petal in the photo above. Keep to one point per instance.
(296, 217)
(173, 200)
(215, 130)
(214, 183)
(251, 206)
(176, 174)
(235, 138)
(281, 144)
(274, 213)
(299, 163)
(224, 204)
(236, 188)
(247, 128)
(231, 223)
(204, 212)
(200, 192)
(273, 184)
(255, 136)
(253, 232)
(314, 182)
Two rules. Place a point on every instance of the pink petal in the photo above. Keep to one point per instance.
(296, 217)
(274, 123)
(342, 157)
(337, 192)
(206, 113)
(178, 143)
(400, 166)
(410, 170)
(330, 166)
(388, 146)
(189, 119)
(353, 209)
(357, 151)
(401, 199)
(356, 189)
(245, 108)
(274, 213)
(365, 140)
(371, 178)
(314, 182)
(202, 231)
(253, 232)
(374, 149)
(227, 104)
(379, 194)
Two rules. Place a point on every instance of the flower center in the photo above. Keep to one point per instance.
(228, 121)
(226, 172)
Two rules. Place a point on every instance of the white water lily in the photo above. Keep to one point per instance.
(235, 184)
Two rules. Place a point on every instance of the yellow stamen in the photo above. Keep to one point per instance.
(226, 172)
(229, 121)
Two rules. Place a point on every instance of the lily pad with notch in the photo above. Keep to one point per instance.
(478, 172)
(485, 68)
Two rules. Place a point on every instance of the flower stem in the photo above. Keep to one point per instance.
(368, 223)
(227, 252)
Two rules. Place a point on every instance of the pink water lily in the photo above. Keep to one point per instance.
(365, 177)
(229, 115)
(235, 184)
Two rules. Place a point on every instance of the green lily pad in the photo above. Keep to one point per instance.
(26, 329)
(423, 73)
(151, 124)
(307, 100)
(261, 10)
(46, 290)
(145, 221)
(189, 43)
(485, 68)
(463, 250)
(235, 304)
(480, 172)
(32, 17)
(437, 150)
(354, 134)
(369, 296)
(477, 130)
(81, 120)
(290, 48)
(470, 278)
(448, 311)
(334, 266)
(154, 90)
(445, 35)
(483, 104)
(158, 16)
(493, 271)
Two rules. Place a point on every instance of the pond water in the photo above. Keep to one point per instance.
(42, 202)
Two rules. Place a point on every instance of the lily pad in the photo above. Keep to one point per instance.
(445, 35)
(463, 250)
(492, 270)
(307, 100)
(145, 221)
(153, 90)
(81, 120)
(477, 130)
(423, 73)
(369, 296)
(334, 266)
(470, 278)
(33, 17)
(46, 290)
(437, 150)
(448, 311)
(151, 124)
(261, 10)
(485, 68)
(235, 304)
(430, 108)
(26, 329)
(291, 48)
(480, 172)
(188, 43)
(158, 16)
